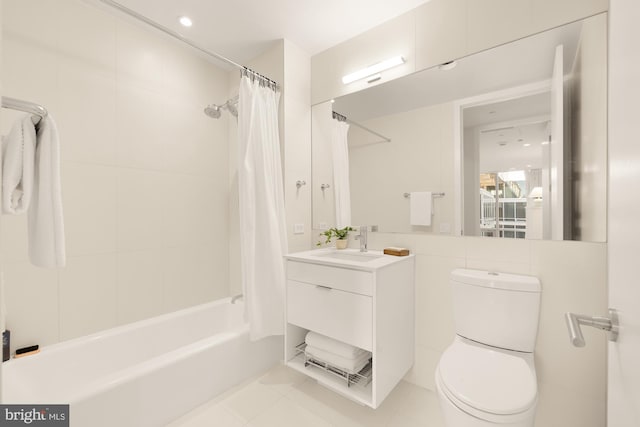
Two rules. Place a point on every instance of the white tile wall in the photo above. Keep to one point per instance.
(144, 172)
(573, 277)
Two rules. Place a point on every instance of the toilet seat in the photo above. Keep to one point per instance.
(486, 382)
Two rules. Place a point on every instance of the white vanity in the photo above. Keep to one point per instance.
(365, 299)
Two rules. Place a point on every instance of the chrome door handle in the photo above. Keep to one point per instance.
(608, 324)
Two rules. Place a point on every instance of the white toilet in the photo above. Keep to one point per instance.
(487, 377)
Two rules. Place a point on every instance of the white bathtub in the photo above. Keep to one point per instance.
(147, 373)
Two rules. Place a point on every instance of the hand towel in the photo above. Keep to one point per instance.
(350, 365)
(45, 221)
(18, 151)
(420, 211)
(339, 348)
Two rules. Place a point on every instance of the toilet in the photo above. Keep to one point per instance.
(487, 377)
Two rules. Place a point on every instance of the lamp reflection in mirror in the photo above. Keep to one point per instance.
(536, 193)
(373, 69)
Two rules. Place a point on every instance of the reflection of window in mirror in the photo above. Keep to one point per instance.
(507, 208)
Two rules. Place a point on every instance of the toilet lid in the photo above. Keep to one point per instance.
(491, 380)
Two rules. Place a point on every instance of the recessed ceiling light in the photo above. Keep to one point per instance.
(333, 101)
(450, 65)
(544, 143)
(526, 145)
(185, 21)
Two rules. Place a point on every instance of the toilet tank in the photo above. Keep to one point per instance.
(497, 309)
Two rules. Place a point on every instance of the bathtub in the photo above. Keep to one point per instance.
(146, 373)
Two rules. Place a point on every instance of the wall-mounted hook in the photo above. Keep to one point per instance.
(300, 183)
(324, 186)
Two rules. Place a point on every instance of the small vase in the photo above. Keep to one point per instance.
(341, 243)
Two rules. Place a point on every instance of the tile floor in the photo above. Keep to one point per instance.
(285, 398)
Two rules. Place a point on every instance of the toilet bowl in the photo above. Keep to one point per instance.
(487, 376)
(481, 386)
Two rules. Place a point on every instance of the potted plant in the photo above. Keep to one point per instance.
(341, 234)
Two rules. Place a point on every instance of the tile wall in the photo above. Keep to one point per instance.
(572, 381)
(144, 172)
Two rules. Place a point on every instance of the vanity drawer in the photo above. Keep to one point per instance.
(360, 282)
(345, 316)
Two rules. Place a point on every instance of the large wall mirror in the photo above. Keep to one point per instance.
(509, 142)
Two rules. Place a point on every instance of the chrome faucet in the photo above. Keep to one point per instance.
(362, 237)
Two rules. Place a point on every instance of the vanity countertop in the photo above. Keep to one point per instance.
(347, 258)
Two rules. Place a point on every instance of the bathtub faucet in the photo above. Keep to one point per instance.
(235, 298)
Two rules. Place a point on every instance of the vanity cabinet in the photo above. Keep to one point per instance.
(366, 300)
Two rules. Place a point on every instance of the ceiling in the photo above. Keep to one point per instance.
(243, 29)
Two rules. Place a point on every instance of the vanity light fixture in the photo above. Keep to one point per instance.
(373, 69)
(185, 21)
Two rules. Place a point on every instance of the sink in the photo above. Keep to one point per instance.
(351, 256)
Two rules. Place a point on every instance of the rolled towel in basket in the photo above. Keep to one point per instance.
(339, 348)
(350, 365)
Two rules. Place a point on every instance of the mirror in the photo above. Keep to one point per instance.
(509, 142)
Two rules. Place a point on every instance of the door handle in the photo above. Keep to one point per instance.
(608, 324)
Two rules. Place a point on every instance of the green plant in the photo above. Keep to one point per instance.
(339, 233)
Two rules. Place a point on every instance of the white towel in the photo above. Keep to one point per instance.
(339, 348)
(351, 365)
(421, 209)
(46, 226)
(18, 151)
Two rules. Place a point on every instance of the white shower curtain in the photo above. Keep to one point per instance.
(263, 240)
(340, 160)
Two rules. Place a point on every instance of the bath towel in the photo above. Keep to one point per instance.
(45, 221)
(18, 155)
(339, 348)
(350, 365)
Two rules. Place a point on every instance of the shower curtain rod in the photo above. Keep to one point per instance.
(342, 118)
(154, 24)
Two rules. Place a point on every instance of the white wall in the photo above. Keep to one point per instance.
(144, 171)
(572, 381)
(297, 144)
(324, 205)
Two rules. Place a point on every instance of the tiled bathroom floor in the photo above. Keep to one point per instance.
(286, 398)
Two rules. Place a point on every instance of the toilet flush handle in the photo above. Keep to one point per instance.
(608, 324)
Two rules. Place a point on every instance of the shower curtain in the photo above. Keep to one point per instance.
(340, 160)
(263, 240)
